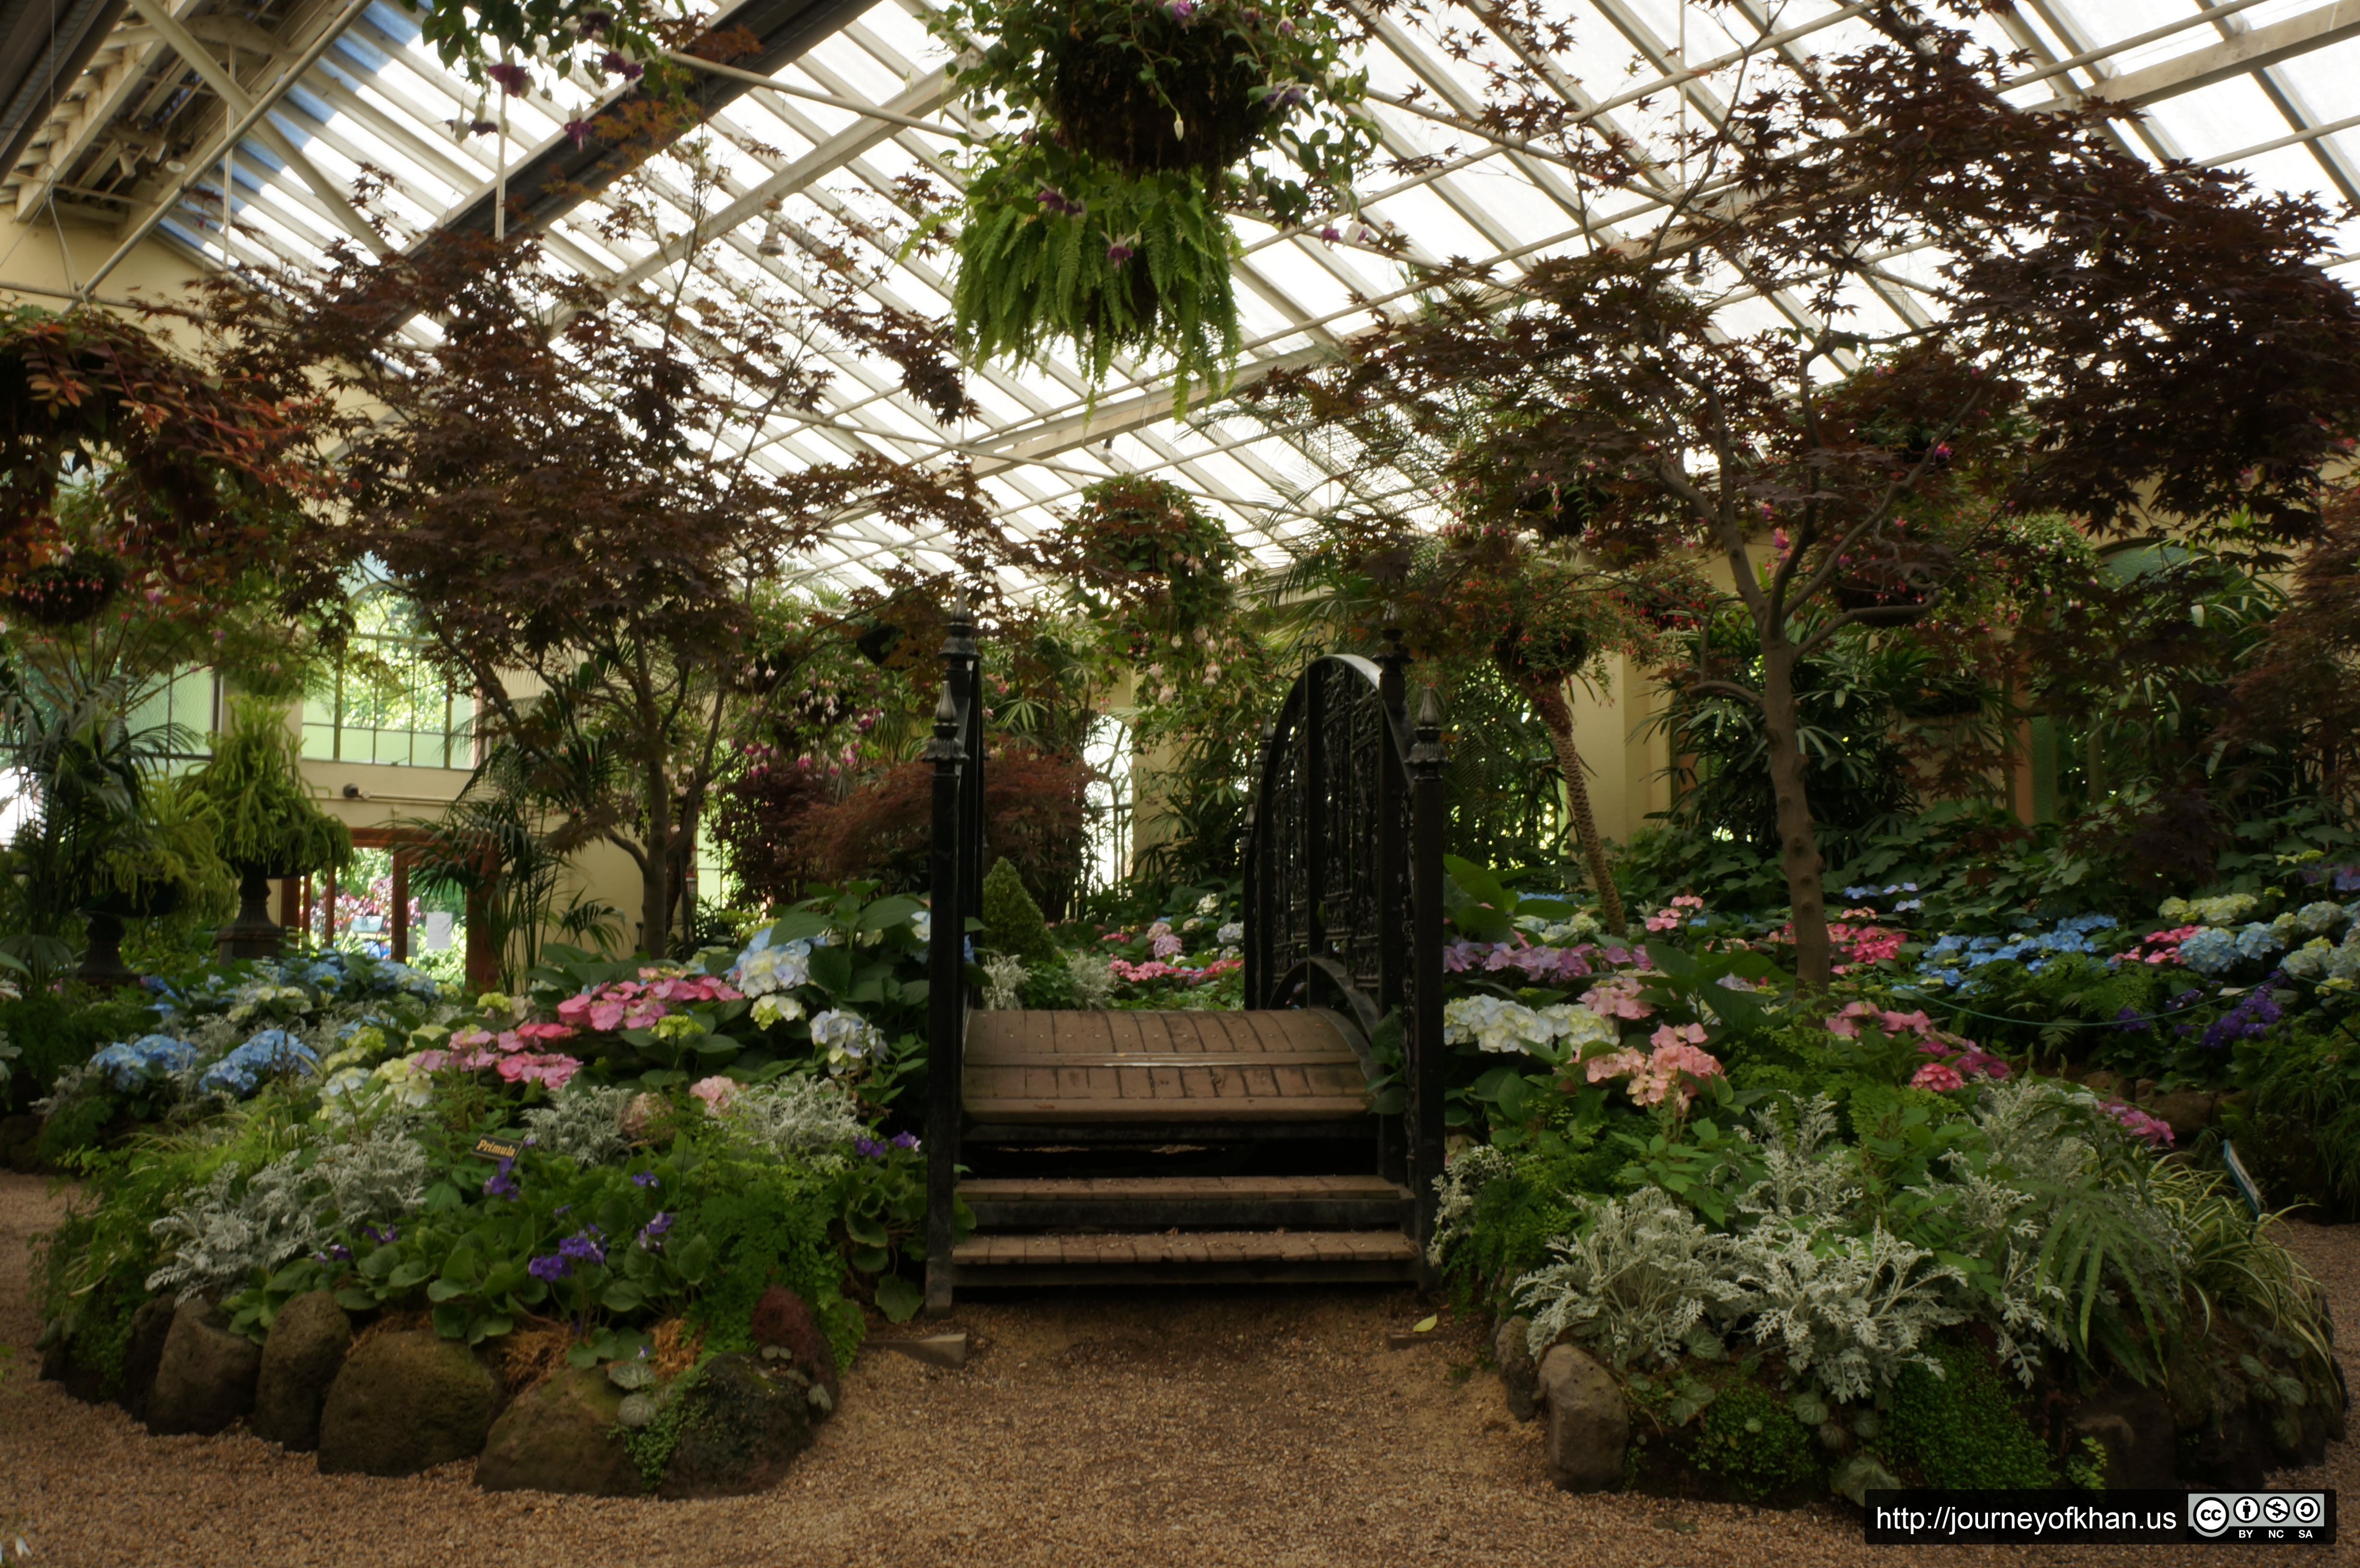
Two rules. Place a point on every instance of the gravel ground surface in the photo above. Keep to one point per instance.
(1267, 1429)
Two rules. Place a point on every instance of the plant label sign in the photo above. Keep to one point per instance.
(497, 1148)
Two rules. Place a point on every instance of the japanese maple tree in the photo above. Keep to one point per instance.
(2065, 328)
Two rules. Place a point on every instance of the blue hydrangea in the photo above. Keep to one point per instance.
(265, 1053)
(132, 1064)
(2257, 941)
(1951, 955)
(2212, 952)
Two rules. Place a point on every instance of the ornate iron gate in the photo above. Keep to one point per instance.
(1344, 879)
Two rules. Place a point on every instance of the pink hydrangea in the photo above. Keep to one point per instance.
(1939, 1076)
(1614, 1064)
(1676, 913)
(2159, 947)
(551, 1071)
(1663, 1073)
(1846, 1022)
(717, 1093)
(1617, 998)
(2138, 1123)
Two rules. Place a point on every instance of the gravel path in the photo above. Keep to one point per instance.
(1268, 1429)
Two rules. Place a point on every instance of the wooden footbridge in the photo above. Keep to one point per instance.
(1212, 1147)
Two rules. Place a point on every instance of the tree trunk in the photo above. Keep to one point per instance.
(1798, 843)
(1557, 717)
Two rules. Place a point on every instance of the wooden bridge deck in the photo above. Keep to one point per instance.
(1195, 1068)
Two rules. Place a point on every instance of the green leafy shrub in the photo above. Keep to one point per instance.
(1962, 1428)
(59, 1029)
(1750, 1434)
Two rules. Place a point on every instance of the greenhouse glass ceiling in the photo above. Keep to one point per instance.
(857, 99)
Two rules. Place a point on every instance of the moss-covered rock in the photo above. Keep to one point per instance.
(205, 1381)
(561, 1436)
(1752, 1436)
(737, 1428)
(301, 1358)
(407, 1401)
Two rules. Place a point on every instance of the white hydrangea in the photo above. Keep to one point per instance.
(776, 1007)
(1210, 905)
(1230, 934)
(2312, 920)
(843, 1034)
(922, 925)
(1492, 1024)
(1574, 1024)
(2216, 911)
(764, 969)
(1505, 1027)
(2309, 960)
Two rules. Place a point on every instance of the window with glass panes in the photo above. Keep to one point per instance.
(387, 702)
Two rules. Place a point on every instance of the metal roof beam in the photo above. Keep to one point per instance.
(235, 99)
(2247, 53)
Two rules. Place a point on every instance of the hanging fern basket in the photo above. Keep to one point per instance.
(1204, 110)
(1134, 130)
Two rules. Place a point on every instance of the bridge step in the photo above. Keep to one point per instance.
(1187, 1258)
(1189, 1203)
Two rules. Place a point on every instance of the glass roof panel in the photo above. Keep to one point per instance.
(805, 176)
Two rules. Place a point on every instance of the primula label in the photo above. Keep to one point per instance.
(497, 1148)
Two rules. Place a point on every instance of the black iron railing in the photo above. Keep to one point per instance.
(957, 883)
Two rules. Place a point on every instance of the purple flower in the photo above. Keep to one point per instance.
(511, 78)
(652, 1234)
(629, 70)
(1180, 10)
(869, 1147)
(1331, 233)
(389, 1235)
(550, 1268)
(2129, 1021)
(499, 1184)
(905, 1140)
(645, 1179)
(1119, 253)
(578, 133)
(583, 1247)
(337, 1252)
(1056, 201)
(594, 24)
(483, 127)
(1286, 27)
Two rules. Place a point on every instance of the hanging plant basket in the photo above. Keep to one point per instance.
(1100, 213)
(1203, 110)
(69, 592)
(1142, 556)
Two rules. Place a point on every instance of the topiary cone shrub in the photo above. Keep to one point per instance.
(270, 824)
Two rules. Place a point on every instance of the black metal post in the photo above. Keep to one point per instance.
(946, 998)
(1260, 852)
(963, 666)
(1424, 1034)
(1394, 913)
(1312, 786)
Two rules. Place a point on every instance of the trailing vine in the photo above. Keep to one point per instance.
(1099, 212)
